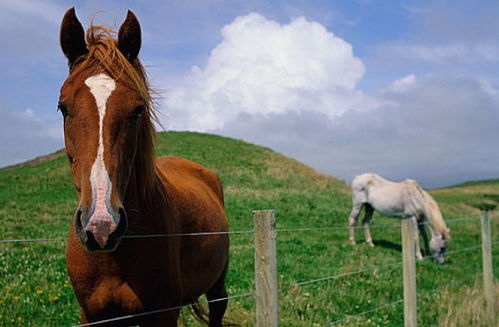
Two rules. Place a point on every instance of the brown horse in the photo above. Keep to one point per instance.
(124, 193)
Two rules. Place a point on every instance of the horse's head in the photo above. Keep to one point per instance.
(104, 111)
(438, 247)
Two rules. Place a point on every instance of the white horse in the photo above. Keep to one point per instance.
(404, 200)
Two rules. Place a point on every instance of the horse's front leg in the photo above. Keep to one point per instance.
(415, 237)
(367, 217)
(83, 318)
(352, 221)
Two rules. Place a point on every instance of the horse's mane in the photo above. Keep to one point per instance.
(104, 55)
(432, 210)
(435, 215)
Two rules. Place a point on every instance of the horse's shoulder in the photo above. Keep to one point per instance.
(414, 190)
(412, 183)
(185, 171)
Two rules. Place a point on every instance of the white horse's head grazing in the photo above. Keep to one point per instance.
(438, 248)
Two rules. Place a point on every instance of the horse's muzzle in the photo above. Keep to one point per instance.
(100, 232)
(439, 259)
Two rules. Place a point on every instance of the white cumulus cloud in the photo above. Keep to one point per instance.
(293, 87)
(264, 67)
(402, 85)
(436, 129)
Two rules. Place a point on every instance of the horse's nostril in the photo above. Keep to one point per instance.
(89, 236)
(79, 224)
(122, 212)
(122, 224)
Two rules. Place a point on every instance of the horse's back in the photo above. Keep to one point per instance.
(390, 198)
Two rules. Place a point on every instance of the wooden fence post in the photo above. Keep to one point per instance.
(409, 272)
(266, 288)
(488, 276)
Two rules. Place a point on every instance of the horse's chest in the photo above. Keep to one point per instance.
(112, 294)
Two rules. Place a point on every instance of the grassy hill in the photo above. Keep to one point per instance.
(37, 201)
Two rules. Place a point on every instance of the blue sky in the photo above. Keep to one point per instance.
(407, 89)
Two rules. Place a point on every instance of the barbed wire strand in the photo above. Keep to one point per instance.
(470, 248)
(355, 316)
(454, 220)
(141, 314)
(28, 240)
(307, 229)
(426, 292)
(350, 273)
(355, 272)
(453, 283)
(191, 234)
(325, 228)
(295, 284)
(58, 239)
(304, 229)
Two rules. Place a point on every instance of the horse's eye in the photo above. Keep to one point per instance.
(137, 112)
(62, 108)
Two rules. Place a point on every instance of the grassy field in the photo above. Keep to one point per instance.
(37, 201)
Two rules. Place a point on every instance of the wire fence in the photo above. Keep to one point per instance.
(296, 284)
(350, 273)
(152, 312)
(279, 230)
(409, 269)
(380, 267)
(58, 239)
(360, 314)
(384, 306)
(347, 318)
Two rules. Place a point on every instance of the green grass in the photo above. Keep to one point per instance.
(37, 200)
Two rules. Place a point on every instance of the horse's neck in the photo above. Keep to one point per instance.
(146, 215)
(157, 218)
(434, 232)
(433, 217)
(436, 229)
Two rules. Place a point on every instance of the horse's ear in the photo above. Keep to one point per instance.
(72, 37)
(129, 38)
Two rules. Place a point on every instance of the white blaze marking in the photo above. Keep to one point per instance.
(101, 223)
